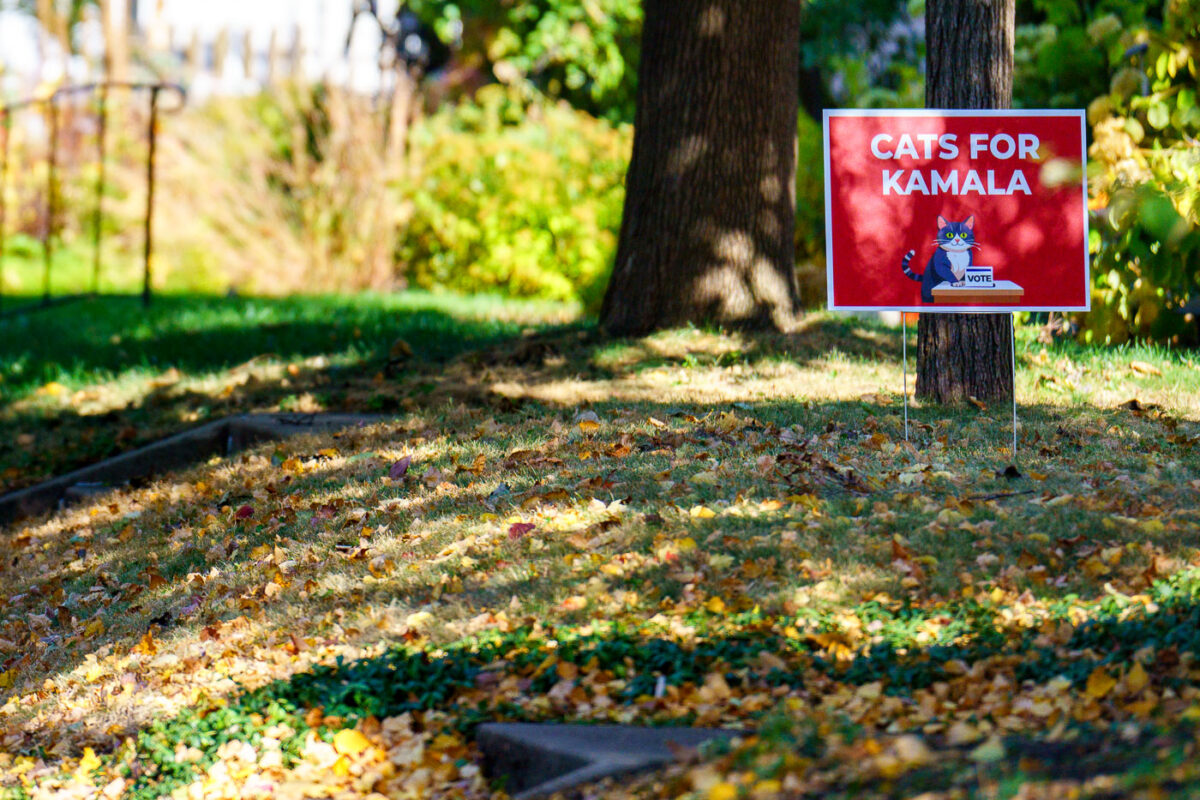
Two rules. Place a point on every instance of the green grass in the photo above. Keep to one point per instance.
(86, 380)
(72, 271)
(741, 528)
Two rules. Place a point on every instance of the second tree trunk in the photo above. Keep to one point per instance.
(969, 65)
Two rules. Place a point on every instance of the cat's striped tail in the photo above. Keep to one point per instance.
(908, 257)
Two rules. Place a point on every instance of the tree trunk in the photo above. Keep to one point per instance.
(708, 230)
(969, 64)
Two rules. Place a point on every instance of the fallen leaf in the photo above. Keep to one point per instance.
(400, 468)
(350, 742)
(1100, 683)
(400, 349)
(588, 422)
(519, 529)
(574, 603)
(989, 752)
(1137, 678)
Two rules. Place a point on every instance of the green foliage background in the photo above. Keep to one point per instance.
(518, 187)
(1131, 63)
(520, 199)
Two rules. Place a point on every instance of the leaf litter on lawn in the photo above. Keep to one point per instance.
(335, 614)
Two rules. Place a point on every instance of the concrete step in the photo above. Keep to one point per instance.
(537, 760)
(223, 437)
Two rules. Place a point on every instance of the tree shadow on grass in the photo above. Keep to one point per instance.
(189, 359)
(193, 359)
(460, 679)
(151, 559)
(143, 566)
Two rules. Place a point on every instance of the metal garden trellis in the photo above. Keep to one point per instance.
(50, 229)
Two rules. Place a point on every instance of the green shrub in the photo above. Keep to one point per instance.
(522, 200)
(810, 212)
(1145, 183)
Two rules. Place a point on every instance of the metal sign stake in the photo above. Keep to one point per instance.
(904, 358)
(1012, 319)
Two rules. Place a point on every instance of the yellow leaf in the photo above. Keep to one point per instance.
(1112, 555)
(715, 605)
(52, 389)
(7, 677)
(1136, 679)
(1142, 708)
(722, 791)
(381, 565)
(706, 478)
(1144, 368)
(686, 544)
(911, 750)
(588, 426)
(1094, 567)
(702, 512)
(419, 619)
(989, 752)
(147, 646)
(961, 733)
(89, 763)
(1042, 708)
(1100, 683)
(94, 628)
(720, 562)
(341, 768)
(350, 742)
(1152, 526)
(869, 691)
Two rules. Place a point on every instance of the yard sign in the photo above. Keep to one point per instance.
(945, 211)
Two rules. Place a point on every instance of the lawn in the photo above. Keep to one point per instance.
(697, 527)
(87, 380)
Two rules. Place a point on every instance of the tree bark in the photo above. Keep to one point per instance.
(969, 64)
(708, 230)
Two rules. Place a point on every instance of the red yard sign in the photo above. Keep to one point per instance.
(956, 210)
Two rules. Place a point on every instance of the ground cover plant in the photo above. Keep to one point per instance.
(697, 528)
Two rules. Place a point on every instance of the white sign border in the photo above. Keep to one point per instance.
(953, 112)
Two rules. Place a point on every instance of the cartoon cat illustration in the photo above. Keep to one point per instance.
(949, 261)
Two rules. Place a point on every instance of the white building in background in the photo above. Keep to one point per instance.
(171, 26)
(31, 58)
(166, 30)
